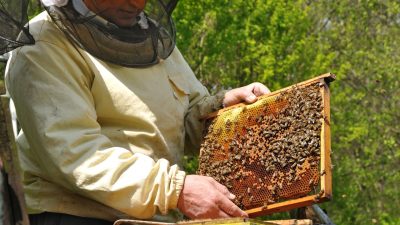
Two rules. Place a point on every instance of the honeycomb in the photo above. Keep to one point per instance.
(269, 151)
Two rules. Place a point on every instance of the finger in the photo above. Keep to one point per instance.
(250, 97)
(223, 190)
(231, 196)
(260, 89)
(231, 209)
(257, 89)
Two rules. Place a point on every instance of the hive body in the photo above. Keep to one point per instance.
(274, 150)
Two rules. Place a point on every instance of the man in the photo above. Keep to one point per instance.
(107, 106)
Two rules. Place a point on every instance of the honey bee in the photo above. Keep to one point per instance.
(311, 182)
(265, 206)
(228, 125)
(319, 195)
(218, 132)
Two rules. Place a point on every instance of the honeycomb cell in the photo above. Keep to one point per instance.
(268, 151)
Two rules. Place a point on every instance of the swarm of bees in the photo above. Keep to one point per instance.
(268, 153)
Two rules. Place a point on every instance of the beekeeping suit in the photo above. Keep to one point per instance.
(106, 113)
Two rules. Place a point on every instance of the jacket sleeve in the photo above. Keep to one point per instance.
(200, 106)
(50, 87)
(201, 103)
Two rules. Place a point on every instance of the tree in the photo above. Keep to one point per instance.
(236, 42)
(231, 43)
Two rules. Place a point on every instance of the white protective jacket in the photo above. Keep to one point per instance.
(101, 140)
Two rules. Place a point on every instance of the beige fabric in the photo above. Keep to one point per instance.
(101, 140)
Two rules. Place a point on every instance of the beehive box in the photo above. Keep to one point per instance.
(274, 154)
(226, 221)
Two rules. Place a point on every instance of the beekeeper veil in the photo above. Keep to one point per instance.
(13, 17)
(148, 40)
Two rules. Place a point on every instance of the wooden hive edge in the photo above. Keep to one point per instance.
(328, 77)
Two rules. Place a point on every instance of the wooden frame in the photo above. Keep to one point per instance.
(12, 191)
(325, 145)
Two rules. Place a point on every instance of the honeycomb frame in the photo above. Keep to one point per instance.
(265, 183)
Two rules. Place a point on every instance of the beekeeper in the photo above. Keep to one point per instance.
(108, 107)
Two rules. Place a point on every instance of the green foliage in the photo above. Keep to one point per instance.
(365, 101)
(191, 164)
(236, 42)
(34, 8)
(232, 43)
(2, 68)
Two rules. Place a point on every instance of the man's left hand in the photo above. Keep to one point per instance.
(246, 94)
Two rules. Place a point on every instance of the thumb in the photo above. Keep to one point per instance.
(250, 98)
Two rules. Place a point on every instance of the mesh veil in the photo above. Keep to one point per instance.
(13, 17)
(147, 42)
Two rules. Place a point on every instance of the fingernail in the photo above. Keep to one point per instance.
(232, 196)
(251, 98)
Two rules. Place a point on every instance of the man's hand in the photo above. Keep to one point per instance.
(204, 198)
(246, 94)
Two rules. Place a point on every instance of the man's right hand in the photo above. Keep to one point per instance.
(204, 198)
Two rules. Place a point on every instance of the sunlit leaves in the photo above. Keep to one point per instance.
(284, 42)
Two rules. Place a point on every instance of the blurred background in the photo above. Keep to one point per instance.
(230, 43)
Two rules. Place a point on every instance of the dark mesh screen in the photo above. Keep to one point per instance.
(136, 46)
(13, 17)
